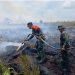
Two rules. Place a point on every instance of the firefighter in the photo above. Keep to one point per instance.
(64, 45)
(36, 31)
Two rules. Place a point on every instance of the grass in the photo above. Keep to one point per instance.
(26, 65)
(67, 23)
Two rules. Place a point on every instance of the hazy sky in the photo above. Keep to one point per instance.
(35, 10)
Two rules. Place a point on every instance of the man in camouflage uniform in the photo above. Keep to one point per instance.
(64, 45)
(36, 31)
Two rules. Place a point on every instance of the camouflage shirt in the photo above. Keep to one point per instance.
(64, 40)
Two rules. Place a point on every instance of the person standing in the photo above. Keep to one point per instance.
(64, 46)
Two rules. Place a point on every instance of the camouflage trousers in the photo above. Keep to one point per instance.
(65, 62)
(40, 50)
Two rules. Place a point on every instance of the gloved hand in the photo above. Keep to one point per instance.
(26, 40)
(62, 49)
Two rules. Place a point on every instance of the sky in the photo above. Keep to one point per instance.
(20, 11)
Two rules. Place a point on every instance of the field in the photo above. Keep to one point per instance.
(16, 34)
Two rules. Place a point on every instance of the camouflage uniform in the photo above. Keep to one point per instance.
(36, 31)
(64, 42)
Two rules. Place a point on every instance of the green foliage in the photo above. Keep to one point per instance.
(26, 64)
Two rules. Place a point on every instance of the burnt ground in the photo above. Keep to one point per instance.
(52, 66)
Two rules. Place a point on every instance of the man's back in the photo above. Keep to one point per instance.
(36, 30)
